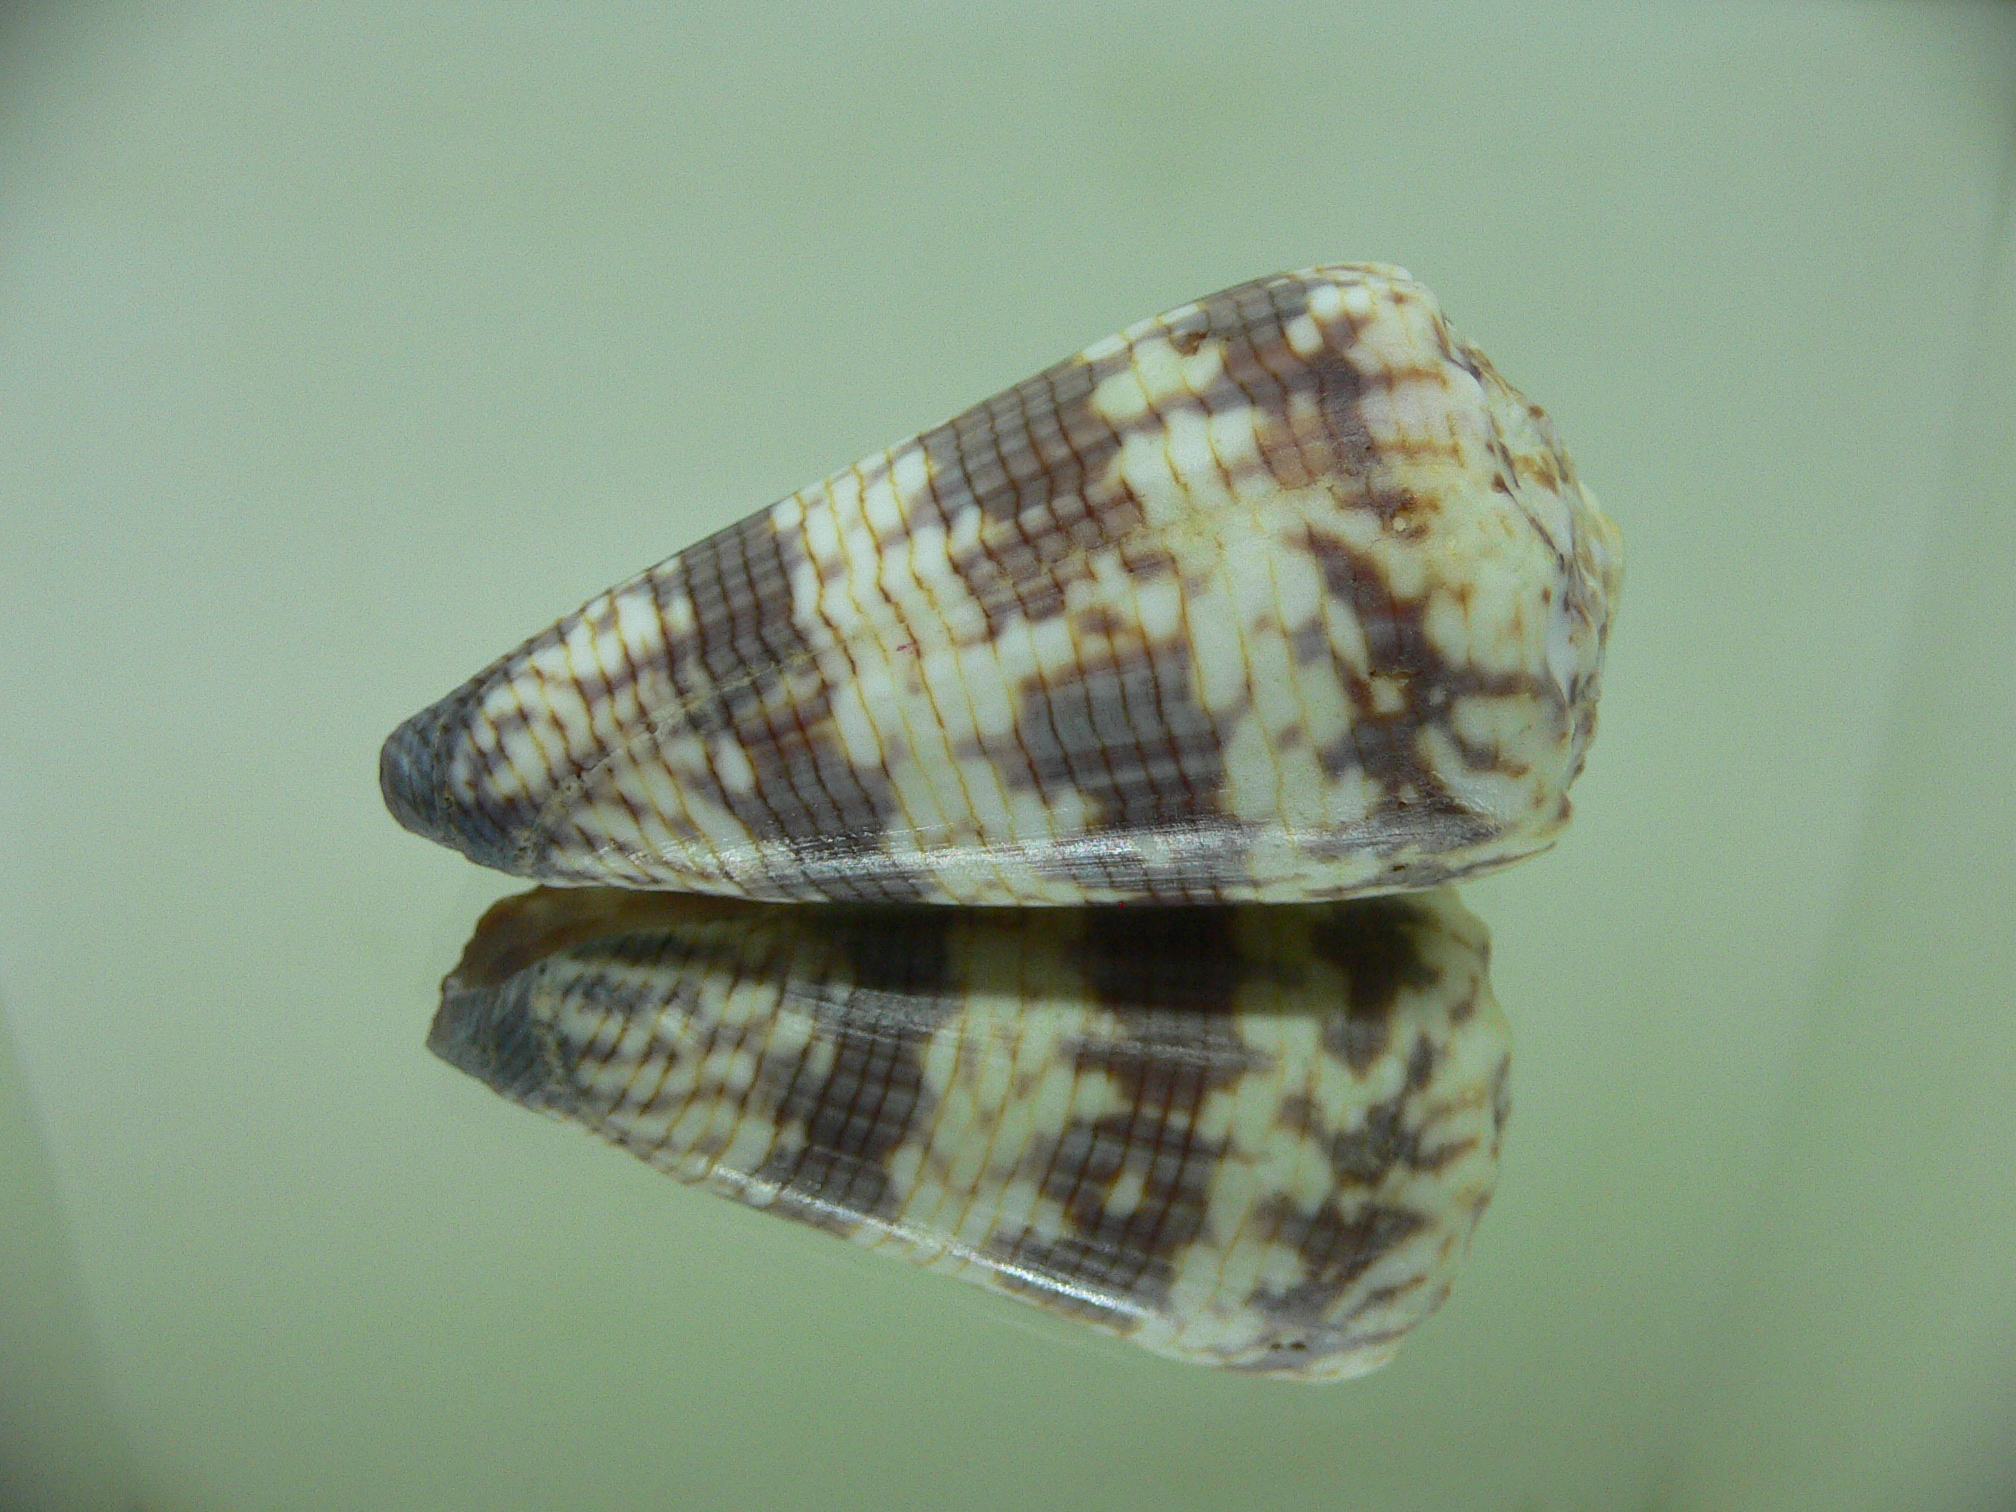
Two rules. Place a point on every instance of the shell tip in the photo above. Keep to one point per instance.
(488, 1033)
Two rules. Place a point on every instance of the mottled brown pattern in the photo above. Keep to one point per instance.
(1341, 1239)
(885, 990)
(1072, 731)
(1365, 1155)
(1337, 1248)
(745, 673)
(1376, 949)
(1127, 1255)
(833, 1065)
(1416, 809)
(1127, 736)
(842, 1125)
(1171, 975)
(1282, 596)
(1310, 428)
(1036, 460)
(1111, 1264)
(748, 673)
(1033, 461)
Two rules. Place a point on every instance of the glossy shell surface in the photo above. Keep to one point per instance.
(1253, 1138)
(1284, 595)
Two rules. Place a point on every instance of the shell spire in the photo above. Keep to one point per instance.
(1284, 595)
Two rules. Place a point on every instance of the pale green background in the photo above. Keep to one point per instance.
(341, 347)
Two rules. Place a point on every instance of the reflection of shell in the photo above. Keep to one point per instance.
(1285, 595)
(1249, 1137)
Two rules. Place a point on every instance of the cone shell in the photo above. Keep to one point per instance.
(1255, 1138)
(1285, 595)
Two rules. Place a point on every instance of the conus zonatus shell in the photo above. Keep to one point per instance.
(1256, 1138)
(1284, 595)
